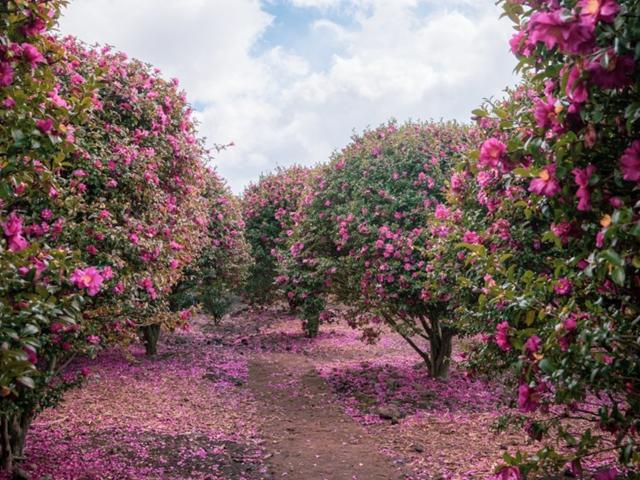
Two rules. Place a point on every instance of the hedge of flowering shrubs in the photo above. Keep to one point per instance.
(557, 184)
(362, 238)
(271, 209)
(104, 201)
(220, 270)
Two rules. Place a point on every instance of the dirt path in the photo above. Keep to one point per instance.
(306, 431)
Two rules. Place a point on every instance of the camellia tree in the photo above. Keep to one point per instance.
(559, 269)
(142, 176)
(362, 239)
(221, 268)
(101, 207)
(270, 210)
(43, 280)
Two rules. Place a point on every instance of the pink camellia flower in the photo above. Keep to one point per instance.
(89, 279)
(502, 336)
(600, 239)
(608, 474)
(46, 214)
(471, 237)
(533, 344)
(6, 74)
(93, 339)
(555, 29)
(491, 153)
(31, 54)
(85, 372)
(617, 74)
(546, 184)
(133, 238)
(296, 248)
(107, 273)
(576, 88)
(630, 162)
(91, 250)
(12, 225)
(44, 125)
(34, 27)
(118, 288)
(8, 103)
(32, 356)
(546, 113)
(17, 243)
(174, 264)
(528, 400)
(508, 473)
(594, 10)
(582, 177)
(563, 286)
(442, 212)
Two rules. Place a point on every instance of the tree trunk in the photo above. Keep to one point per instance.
(312, 326)
(440, 351)
(14, 434)
(151, 334)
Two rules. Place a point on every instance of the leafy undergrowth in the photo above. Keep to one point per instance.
(184, 414)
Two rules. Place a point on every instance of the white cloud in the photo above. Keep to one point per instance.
(401, 58)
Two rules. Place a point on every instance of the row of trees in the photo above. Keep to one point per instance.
(524, 228)
(107, 209)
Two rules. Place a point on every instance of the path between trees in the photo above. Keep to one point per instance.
(307, 432)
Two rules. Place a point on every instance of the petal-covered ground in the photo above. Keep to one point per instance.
(194, 412)
(184, 414)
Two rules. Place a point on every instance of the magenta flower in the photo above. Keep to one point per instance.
(13, 225)
(608, 474)
(576, 88)
(554, 29)
(630, 162)
(17, 243)
(44, 125)
(471, 237)
(605, 10)
(31, 54)
(6, 74)
(502, 336)
(582, 177)
(508, 473)
(89, 279)
(546, 113)
(442, 212)
(563, 286)
(528, 400)
(533, 344)
(617, 74)
(546, 184)
(491, 153)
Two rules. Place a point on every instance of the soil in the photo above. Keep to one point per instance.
(308, 433)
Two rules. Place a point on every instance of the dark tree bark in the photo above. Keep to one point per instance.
(151, 334)
(14, 434)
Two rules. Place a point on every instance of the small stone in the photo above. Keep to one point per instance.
(418, 447)
(389, 412)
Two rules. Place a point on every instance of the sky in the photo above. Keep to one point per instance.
(290, 81)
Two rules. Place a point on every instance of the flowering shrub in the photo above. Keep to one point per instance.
(361, 237)
(558, 181)
(139, 171)
(221, 268)
(43, 280)
(270, 210)
(101, 207)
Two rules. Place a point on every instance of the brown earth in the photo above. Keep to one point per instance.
(307, 432)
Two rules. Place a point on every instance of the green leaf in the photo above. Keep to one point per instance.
(26, 381)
